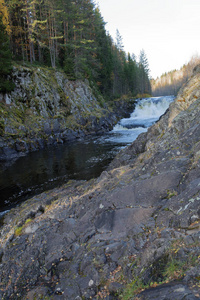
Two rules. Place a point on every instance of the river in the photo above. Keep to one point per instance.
(82, 159)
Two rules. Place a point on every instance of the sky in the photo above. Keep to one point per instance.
(167, 30)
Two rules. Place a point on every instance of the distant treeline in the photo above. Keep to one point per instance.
(71, 35)
(169, 83)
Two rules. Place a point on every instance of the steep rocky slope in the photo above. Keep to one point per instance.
(133, 233)
(46, 108)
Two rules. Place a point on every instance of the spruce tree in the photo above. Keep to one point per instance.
(103, 55)
(5, 60)
(143, 73)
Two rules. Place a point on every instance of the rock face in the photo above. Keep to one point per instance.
(133, 233)
(46, 108)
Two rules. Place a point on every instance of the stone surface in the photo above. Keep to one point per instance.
(46, 106)
(132, 233)
(171, 291)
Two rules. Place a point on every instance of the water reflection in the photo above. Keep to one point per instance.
(46, 169)
(52, 167)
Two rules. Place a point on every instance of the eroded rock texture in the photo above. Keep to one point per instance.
(46, 108)
(133, 233)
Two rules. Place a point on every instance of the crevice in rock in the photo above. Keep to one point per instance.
(1, 256)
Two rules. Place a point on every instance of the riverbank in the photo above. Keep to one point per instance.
(132, 233)
(81, 159)
(46, 108)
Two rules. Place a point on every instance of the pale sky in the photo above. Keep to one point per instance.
(167, 30)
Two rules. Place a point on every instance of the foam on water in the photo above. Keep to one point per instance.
(146, 113)
(151, 107)
(83, 159)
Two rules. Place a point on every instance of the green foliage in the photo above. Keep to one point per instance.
(18, 231)
(6, 85)
(28, 221)
(170, 194)
(68, 65)
(144, 83)
(133, 288)
(3, 115)
(74, 38)
(168, 268)
(174, 268)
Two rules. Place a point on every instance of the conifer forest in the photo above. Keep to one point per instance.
(69, 35)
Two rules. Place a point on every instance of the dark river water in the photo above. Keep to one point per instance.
(81, 159)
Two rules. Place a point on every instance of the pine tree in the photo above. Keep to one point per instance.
(5, 60)
(103, 54)
(71, 34)
(119, 41)
(144, 83)
(131, 74)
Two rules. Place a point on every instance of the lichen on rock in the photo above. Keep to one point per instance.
(45, 108)
(132, 233)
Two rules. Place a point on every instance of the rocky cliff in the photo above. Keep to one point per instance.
(133, 233)
(46, 108)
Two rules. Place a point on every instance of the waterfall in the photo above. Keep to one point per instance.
(146, 113)
(83, 159)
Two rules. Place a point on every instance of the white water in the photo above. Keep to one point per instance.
(146, 113)
(86, 159)
(3, 213)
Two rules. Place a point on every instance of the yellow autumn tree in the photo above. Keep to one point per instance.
(5, 18)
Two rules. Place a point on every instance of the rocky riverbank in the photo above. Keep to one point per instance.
(133, 233)
(46, 108)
